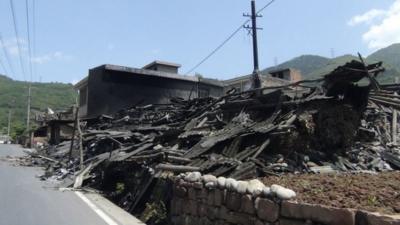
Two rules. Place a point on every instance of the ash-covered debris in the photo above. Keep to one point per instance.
(312, 126)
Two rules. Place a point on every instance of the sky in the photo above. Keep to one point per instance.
(71, 36)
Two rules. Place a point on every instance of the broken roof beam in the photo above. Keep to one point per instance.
(371, 78)
(352, 72)
(177, 168)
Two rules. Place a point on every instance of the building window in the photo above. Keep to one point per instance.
(278, 75)
(83, 96)
(204, 92)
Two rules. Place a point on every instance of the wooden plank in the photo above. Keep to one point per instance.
(176, 168)
(207, 143)
(261, 148)
(233, 148)
(134, 152)
(394, 127)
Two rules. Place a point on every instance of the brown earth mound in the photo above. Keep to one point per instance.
(380, 192)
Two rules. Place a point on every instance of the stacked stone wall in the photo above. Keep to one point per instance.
(196, 202)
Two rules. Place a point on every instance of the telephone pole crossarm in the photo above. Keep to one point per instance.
(256, 82)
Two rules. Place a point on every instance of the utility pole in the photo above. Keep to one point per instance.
(9, 122)
(9, 117)
(256, 82)
(29, 113)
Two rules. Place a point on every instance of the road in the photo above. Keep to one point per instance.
(24, 199)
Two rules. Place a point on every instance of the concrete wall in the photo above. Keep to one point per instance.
(244, 84)
(291, 75)
(110, 91)
(83, 99)
(193, 203)
(165, 68)
(296, 75)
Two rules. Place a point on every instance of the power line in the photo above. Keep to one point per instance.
(30, 71)
(34, 34)
(17, 37)
(217, 48)
(8, 59)
(4, 67)
(265, 6)
(29, 38)
(226, 40)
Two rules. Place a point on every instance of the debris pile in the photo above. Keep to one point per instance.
(337, 123)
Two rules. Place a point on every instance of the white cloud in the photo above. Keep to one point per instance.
(11, 46)
(367, 17)
(74, 81)
(41, 59)
(50, 57)
(382, 31)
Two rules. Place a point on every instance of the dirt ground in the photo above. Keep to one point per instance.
(376, 193)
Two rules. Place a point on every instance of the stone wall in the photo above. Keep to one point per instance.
(197, 202)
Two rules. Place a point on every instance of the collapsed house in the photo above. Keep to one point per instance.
(54, 127)
(343, 122)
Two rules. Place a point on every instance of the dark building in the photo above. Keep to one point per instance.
(109, 88)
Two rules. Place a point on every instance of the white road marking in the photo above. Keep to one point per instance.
(98, 211)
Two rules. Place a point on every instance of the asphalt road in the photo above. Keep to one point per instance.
(25, 200)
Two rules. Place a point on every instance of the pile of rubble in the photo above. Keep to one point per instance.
(337, 123)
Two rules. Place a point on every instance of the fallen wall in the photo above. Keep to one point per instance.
(193, 203)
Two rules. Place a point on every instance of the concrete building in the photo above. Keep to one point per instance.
(109, 88)
(274, 78)
(54, 126)
(288, 74)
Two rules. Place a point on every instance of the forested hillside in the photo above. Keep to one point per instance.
(13, 95)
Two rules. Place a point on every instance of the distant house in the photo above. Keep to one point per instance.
(274, 78)
(54, 127)
(288, 74)
(110, 88)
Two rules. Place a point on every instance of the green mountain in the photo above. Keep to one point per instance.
(390, 56)
(305, 63)
(313, 66)
(331, 65)
(13, 95)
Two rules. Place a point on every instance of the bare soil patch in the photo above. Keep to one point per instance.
(372, 192)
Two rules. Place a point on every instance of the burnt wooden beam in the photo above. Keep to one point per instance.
(171, 158)
(177, 168)
(263, 146)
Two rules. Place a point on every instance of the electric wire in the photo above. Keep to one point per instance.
(4, 67)
(226, 40)
(29, 39)
(34, 35)
(7, 56)
(30, 66)
(17, 38)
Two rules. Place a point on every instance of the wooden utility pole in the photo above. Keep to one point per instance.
(9, 122)
(28, 115)
(78, 125)
(9, 117)
(256, 82)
